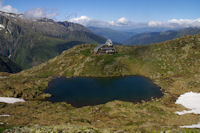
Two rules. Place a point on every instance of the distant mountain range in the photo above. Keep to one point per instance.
(156, 37)
(141, 36)
(29, 42)
(114, 35)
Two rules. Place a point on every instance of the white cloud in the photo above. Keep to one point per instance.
(176, 23)
(7, 8)
(32, 13)
(40, 13)
(87, 21)
(124, 23)
(84, 20)
(185, 22)
(35, 13)
(155, 24)
(121, 22)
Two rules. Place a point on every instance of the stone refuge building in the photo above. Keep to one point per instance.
(106, 48)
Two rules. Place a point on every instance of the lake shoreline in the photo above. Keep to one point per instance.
(85, 83)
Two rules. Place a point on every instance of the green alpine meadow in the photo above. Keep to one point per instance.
(88, 67)
(173, 65)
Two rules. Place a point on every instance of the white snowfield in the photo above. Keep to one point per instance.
(191, 126)
(4, 115)
(190, 100)
(10, 100)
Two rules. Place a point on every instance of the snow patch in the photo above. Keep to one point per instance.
(191, 126)
(9, 56)
(189, 100)
(1, 123)
(2, 27)
(10, 100)
(4, 115)
(3, 77)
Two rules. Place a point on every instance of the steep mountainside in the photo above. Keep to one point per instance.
(156, 37)
(30, 42)
(173, 65)
(7, 65)
(115, 35)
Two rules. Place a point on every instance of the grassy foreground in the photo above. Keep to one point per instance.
(173, 65)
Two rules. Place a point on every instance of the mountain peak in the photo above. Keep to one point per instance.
(33, 41)
(8, 14)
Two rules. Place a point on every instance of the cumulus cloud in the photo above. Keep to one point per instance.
(40, 13)
(7, 8)
(84, 20)
(176, 23)
(87, 21)
(186, 22)
(34, 13)
(124, 22)
(121, 22)
(155, 24)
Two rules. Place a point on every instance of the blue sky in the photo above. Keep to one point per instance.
(114, 12)
(135, 10)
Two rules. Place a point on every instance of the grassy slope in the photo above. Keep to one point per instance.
(37, 48)
(173, 65)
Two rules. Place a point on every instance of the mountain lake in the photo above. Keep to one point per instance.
(82, 91)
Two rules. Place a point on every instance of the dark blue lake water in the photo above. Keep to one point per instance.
(93, 91)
